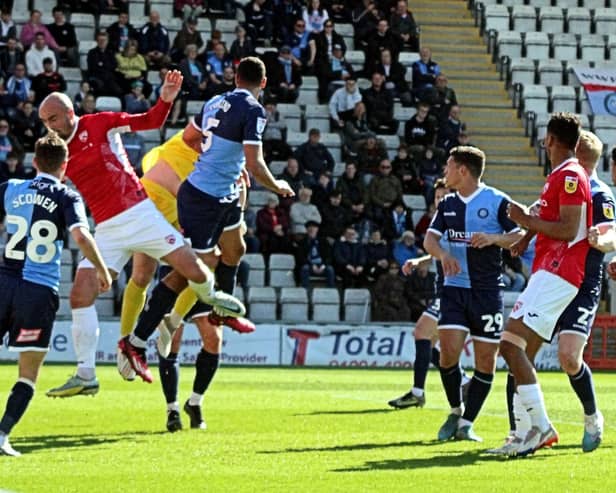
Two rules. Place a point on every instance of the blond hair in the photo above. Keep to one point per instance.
(589, 148)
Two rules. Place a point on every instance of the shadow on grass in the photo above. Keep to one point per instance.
(33, 443)
(355, 446)
(379, 410)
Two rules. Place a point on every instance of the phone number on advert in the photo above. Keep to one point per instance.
(363, 362)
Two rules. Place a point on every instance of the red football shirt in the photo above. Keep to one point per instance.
(97, 162)
(568, 184)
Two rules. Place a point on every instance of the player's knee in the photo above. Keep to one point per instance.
(141, 279)
(569, 361)
(81, 298)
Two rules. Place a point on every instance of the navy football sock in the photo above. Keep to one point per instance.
(169, 371)
(477, 392)
(451, 378)
(206, 366)
(436, 357)
(160, 302)
(16, 405)
(422, 362)
(584, 388)
(510, 390)
(225, 277)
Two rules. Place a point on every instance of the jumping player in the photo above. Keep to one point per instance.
(37, 212)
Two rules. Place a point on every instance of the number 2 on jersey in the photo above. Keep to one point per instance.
(38, 240)
(207, 133)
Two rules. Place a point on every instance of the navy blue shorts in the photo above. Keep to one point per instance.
(203, 217)
(27, 313)
(579, 315)
(478, 311)
(434, 309)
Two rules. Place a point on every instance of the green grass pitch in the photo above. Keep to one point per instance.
(291, 430)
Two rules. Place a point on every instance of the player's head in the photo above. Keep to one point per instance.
(50, 154)
(588, 150)
(250, 73)
(57, 114)
(464, 162)
(563, 132)
(440, 190)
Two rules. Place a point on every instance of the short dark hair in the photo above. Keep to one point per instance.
(57, 8)
(251, 70)
(565, 127)
(50, 151)
(471, 157)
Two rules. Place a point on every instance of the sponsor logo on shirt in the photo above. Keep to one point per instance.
(571, 184)
(449, 214)
(608, 210)
(28, 335)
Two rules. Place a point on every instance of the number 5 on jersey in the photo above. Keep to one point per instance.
(207, 133)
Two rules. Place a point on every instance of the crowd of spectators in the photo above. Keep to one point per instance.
(350, 231)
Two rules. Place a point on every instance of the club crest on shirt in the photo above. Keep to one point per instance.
(170, 239)
(83, 136)
(608, 210)
(571, 184)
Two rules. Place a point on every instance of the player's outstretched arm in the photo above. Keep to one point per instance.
(413, 263)
(564, 229)
(603, 237)
(504, 240)
(88, 247)
(172, 86)
(518, 248)
(256, 165)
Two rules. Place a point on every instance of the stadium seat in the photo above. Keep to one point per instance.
(552, 20)
(333, 143)
(292, 114)
(258, 198)
(570, 77)
(537, 45)
(293, 304)
(108, 103)
(356, 59)
(567, 4)
(605, 128)
(226, 25)
(164, 8)
(310, 82)
(307, 97)
(578, 21)
(496, 17)
(277, 167)
(403, 114)
(281, 267)
(356, 305)
(105, 20)
(408, 58)
(317, 116)
(392, 142)
(325, 305)
(594, 4)
(605, 21)
(565, 46)
(582, 102)
(415, 202)
(522, 71)
(193, 107)
(535, 98)
(611, 47)
(592, 48)
(262, 304)
(84, 47)
(563, 98)
(524, 18)
(257, 269)
(338, 169)
(151, 135)
(417, 215)
(71, 74)
(510, 44)
(550, 72)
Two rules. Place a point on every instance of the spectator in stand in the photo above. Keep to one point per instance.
(227, 84)
(321, 189)
(8, 142)
(302, 211)
(27, 126)
(299, 40)
(102, 66)
(34, 26)
(334, 217)
(154, 42)
(404, 26)
(242, 45)
(420, 130)
(196, 77)
(135, 101)
(88, 105)
(215, 40)
(430, 170)
(442, 98)
(131, 68)
(384, 190)
(38, 52)
(10, 56)
(258, 22)
(63, 33)
(7, 28)
(339, 12)
(286, 14)
(353, 191)
(395, 77)
(390, 304)
(315, 16)
(295, 176)
(370, 153)
(405, 248)
(110, 6)
(47, 82)
(381, 39)
(425, 72)
(216, 63)
(189, 8)
(398, 220)
(250, 236)
(350, 259)
(333, 73)
(275, 147)
(420, 292)
(379, 107)
(84, 88)
(135, 149)
(449, 130)
(120, 32)
(313, 157)
(365, 18)
(18, 87)
(513, 274)
(272, 227)
(346, 106)
(188, 35)
(12, 168)
(285, 78)
(378, 255)
(314, 258)
(322, 44)
(424, 222)
(405, 169)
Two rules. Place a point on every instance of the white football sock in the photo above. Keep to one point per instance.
(417, 392)
(175, 319)
(522, 419)
(85, 332)
(173, 406)
(531, 398)
(195, 399)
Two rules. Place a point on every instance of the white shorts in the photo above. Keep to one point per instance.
(142, 228)
(543, 301)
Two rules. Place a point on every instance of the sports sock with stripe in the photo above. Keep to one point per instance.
(16, 405)
(169, 371)
(160, 302)
(478, 390)
(451, 378)
(584, 388)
